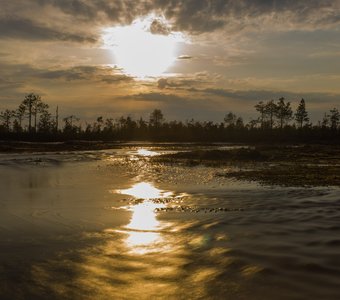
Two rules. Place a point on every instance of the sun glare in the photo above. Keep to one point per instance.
(139, 51)
(144, 229)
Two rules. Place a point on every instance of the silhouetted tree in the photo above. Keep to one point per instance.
(230, 120)
(301, 115)
(252, 124)
(97, 126)
(109, 125)
(239, 123)
(325, 121)
(56, 119)
(284, 112)
(156, 118)
(29, 103)
(270, 111)
(261, 108)
(70, 127)
(39, 107)
(19, 114)
(6, 117)
(334, 118)
(46, 123)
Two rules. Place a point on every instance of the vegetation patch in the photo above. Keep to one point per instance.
(298, 165)
(291, 175)
(220, 156)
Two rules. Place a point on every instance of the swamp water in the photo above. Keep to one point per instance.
(113, 225)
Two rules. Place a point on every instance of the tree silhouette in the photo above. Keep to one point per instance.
(19, 114)
(334, 118)
(284, 112)
(6, 117)
(39, 107)
(261, 108)
(29, 103)
(70, 127)
(270, 111)
(301, 115)
(230, 120)
(233, 129)
(156, 118)
(46, 123)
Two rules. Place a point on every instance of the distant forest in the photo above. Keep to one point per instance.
(276, 122)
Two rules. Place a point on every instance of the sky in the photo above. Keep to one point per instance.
(190, 58)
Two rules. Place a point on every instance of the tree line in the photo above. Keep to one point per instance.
(276, 120)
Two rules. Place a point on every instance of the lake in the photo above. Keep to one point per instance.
(113, 224)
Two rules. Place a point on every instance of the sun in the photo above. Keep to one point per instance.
(145, 48)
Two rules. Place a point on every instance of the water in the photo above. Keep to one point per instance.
(113, 225)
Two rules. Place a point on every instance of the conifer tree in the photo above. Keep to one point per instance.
(301, 115)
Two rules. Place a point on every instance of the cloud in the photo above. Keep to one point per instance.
(61, 20)
(184, 57)
(199, 16)
(176, 83)
(158, 97)
(159, 27)
(205, 15)
(201, 79)
(26, 29)
(265, 95)
(27, 73)
(90, 73)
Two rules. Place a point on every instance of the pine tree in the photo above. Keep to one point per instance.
(334, 118)
(301, 115)
(270, 111)
(260, 107)
(284, 112)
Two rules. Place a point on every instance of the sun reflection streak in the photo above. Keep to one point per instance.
(145, 152)
(144, 230)
(145, 191)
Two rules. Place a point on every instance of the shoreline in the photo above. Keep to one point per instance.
(84, 145)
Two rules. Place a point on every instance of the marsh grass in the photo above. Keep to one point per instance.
(298, 175)
(301, 165)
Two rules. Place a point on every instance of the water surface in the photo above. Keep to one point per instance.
(112, 225)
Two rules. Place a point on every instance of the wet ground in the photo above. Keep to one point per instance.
(113, 224)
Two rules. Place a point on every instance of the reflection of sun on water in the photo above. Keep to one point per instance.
(143, 229)
(145, 190)
(145, 152)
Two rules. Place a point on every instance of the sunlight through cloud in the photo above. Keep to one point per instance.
(145, 48)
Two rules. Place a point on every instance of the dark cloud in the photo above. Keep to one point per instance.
(197, 16)
(116, 11)
(26, 72)
(179, 83)
(92, 73)
(208, 15)
(19, 20)
(79, 8)
(29, 30)
(162, 83)
(158, 27)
